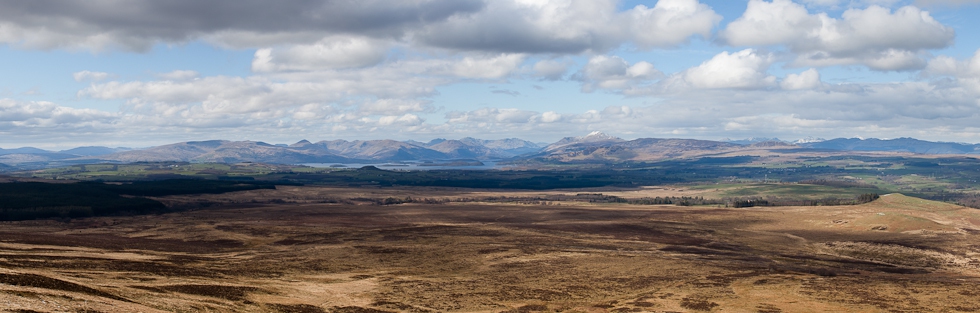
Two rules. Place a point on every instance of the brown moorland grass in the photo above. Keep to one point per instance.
(897, 254)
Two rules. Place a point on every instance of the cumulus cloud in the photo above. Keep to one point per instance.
(101, 25)
(374, 68)
(615, 73)
(809, 79)
(966, 73)
(329, 53)
(570, 26)
(263, 93)
(511, 26)
(550, 117)
(179, 75)
(15, 113)
(511, 121)
(917, 109)
(945, 65)
(393, 106)
(551, 69)
(744, 69)
(403, 120)
(875, 36)
(492, 116)
(670, 22)
(487, 67)
(90, 76)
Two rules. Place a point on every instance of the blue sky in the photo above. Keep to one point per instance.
(98, 73)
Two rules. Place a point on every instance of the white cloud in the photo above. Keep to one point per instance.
(965, 72)
(570, 26)
(403, 120)
(744, 69)
(379, 77)
(313, 111)
(335, 52)
(945, 65)
(875, 36)
(620, 111)
(179, 75)
(487, 67)
(393, 106)
(487, 116)
(353, 29)
(90, 76)
(615, 73)
(771, 23)
(551, 69)
(809, 79)
(670, 22)
(35, 114)
(139, 24)
(550, 117)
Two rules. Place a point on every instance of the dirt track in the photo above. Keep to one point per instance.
(895, 255)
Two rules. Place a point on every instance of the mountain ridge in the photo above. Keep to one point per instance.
(593, 147)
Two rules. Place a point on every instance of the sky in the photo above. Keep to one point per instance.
(138, 73)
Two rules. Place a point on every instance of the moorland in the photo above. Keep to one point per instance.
(341, 249)
(773, 232)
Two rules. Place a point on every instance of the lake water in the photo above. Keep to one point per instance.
(407, 166)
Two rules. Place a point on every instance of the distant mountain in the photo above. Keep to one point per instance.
(472, 148)
(24, 150)
(752, 140)
(253, 151)
(21, 158)
(458, 149)
(809, 140)
(333, 151)
(644, 149)
(379, 150)
(509, 146)
(894, 145)
(184, 151)
(595, 137)
(30, 158)
(225, 152)
(594, 147)
(93, 151)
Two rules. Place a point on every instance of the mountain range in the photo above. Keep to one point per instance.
(594, 147)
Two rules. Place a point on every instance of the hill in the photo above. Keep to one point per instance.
(93, 151)
(603, 149)
(333, 151)
(894, 145)
(225, 152)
